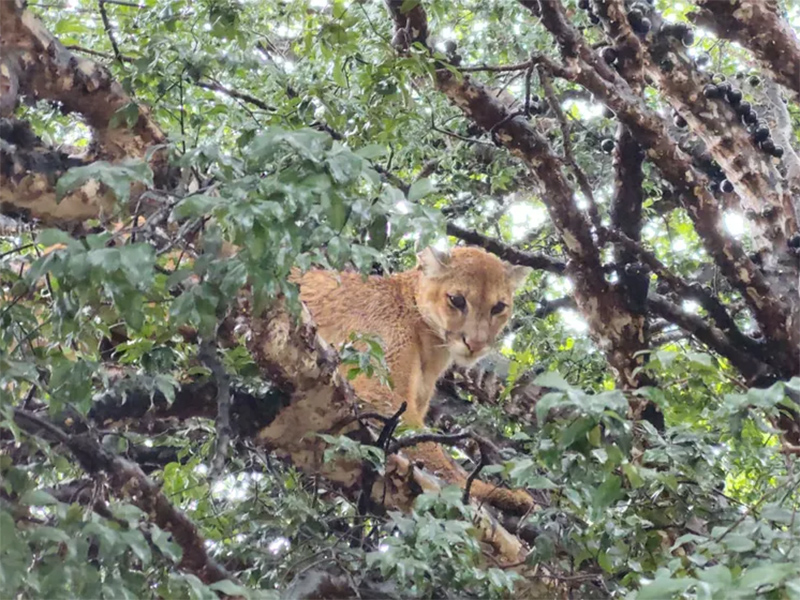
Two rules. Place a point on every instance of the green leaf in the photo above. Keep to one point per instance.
(632, 473)
(163, 541)
(378, 232)
(663, 588)
(409, 5)
(229, 588)
(37, 498)
(337, 213)
(419, 189)
(196, 205)
(52, 237)
(551, 379)
(118, 177)
(371, 151)
(609, 492)
(739, 543)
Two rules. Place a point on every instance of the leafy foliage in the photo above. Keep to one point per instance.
(347, 160)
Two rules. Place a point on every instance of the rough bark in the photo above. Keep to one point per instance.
(765, 196)
(756, 25)
(34, 65)
(28, 174)
(771, 309)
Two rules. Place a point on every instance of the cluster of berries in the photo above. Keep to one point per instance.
(760, 133)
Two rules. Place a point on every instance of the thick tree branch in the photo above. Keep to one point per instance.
(40, 67)
(48, 70)
(756, 25)
(711, 336)
(587, 68)
(207, 353)
(718, 123)
(612, 325)
(128, 481)
(28, 171)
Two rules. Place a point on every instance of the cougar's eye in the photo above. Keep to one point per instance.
(457, 301)
(498, 308)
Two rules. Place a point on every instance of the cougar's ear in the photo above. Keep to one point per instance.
(517, 274)
(433, 262)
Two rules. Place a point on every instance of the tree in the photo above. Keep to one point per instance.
(171, 424)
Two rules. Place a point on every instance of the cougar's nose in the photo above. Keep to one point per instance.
(474, 345)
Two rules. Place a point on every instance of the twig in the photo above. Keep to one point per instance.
(506, 252)
(472, 476)
(207, 353)
(17, 249)
(218, 87)
(457, 136)
(105, 55)
(569, 156)
(129, 481)
(390, 426)
(497, 68)
(109, 31)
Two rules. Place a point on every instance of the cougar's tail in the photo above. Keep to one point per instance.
(435, 460)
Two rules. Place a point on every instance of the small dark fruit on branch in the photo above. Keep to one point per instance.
(688, 37)
(744, 108)
(607, 145)
(608, 113)
(644, 27)
(725, 186)
(583, 4)
(761, 133)
(635, 16)
(594, 19)
(755, 81)
(711, 91)
(724, 87)
(734, 97)
(679, 121)
(609, 55)
(794, 241)
(474, 130)
(768, 146)
(777, 152)
(751, 118)
(702, 60)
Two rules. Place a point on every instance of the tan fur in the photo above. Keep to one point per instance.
(422, 332)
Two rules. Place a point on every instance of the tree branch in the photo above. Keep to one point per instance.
(591, 71)
(509, 253)
(757, 26)
(128, 481)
